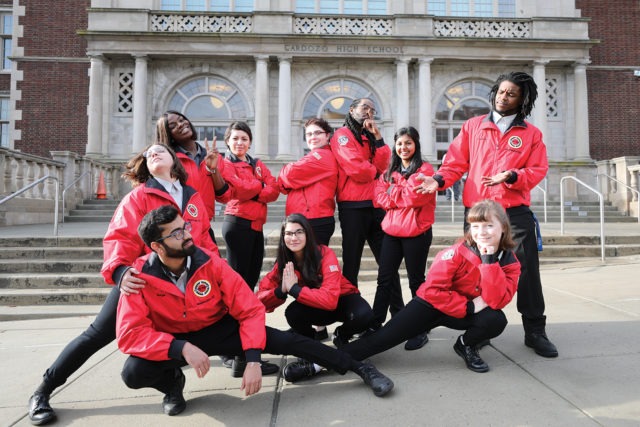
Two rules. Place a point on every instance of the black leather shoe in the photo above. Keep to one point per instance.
(541, 344)
(173, 402)
(321, 335)
(40, 412)
(239, 365)
(416, 342)
(339, 339)
(379, 383)
(296, 371)
(470, 355)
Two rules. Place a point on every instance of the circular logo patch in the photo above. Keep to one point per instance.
(192, 210)
(202, 288)
(448, 255)
(343, 140)
(515, 142)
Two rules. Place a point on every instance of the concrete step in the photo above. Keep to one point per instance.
(37, 281)
(30, 312)
(38, 297)
(89, 218)
(60, 266)
(51, 253)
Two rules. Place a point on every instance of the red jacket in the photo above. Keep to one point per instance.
(334, 285)
(357, 171)
(253, 187)
(408, 213)
(311, 184)
(458, 275)
(146, 322)
(482, 150)
(122, 244)
(199, 178)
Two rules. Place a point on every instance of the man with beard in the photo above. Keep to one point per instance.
(362, 156)
(195, 306)
(506, 158)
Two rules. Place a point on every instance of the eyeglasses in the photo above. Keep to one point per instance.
(154, 149)
(179, 233)
(298, 233)
(367, 107)
(314, 133)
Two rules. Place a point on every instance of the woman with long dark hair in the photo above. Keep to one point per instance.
(406, 224)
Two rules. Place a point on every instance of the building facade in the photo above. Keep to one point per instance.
(111, 68)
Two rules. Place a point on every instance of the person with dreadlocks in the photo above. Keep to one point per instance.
(362, 157)
(406, 225)
(505, 159)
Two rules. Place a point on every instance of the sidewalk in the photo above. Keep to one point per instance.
(594, 318)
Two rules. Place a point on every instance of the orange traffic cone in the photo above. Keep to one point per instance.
(101, 192)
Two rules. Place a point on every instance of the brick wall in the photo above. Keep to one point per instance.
(54, 89)
(614, 94)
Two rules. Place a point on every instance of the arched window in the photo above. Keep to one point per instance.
(331, 99)
(211, 103)
(460, 102)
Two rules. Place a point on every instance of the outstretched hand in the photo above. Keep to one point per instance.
(211, 159)
(427, 186)
(499, 178)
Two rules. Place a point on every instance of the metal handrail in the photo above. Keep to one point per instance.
(600, 197)
(64, 192)
(620, 182)
(33, 184)
(453, 206)
(544, 192)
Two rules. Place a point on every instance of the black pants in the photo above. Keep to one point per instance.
(419, 316)
(245, 248)
(353, 310)
(100, 333)
(323, 228)
(414, 250)
(223, 338)
(359, 225)
(530, 300)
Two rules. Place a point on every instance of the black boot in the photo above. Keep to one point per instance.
(470, 355)
(540, 344)
(173, 402)
(40, 412)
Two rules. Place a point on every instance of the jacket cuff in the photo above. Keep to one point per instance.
(513, 178)
(253, 355)
(223, 190)
(380, 143)
(439, 180)
(471, 307)
(118, 273)
(175, 349)
(295, 291)
(279, 294)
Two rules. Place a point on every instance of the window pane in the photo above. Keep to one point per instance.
(483, 8)
(337, 108)
(6, 53)
(244, 6)
(437, 7)
(471, 108)
(329, 6)
(207, 108)
(305, 6)
(353, 7)
(197, 5)
(4, 135)
(507, 8)
(220, 6)
(459, 8)
(171, 5)
(377, 7)
(7, 24)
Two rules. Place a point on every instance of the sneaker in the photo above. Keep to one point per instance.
(40, 412)
(541, 344)
(469, 354)
(296, 371)
(239, 365)
(379, 383)
(321, 335)
(173, 402)
(417, 342)
(227, 361)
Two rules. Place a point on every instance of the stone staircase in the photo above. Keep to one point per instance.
(53, 277)
(93, 210)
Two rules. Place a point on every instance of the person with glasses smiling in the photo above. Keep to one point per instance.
(310, 183)
(158, 179)
(362, 157)
(310, 273)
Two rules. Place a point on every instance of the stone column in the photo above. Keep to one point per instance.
(261, 132)
(581, 112)
(284, 109)
(140, 105)
(425, 115)
(539, 114)
(402, 92)
(94, 127)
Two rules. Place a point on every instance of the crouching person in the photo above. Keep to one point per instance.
(195, 306)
